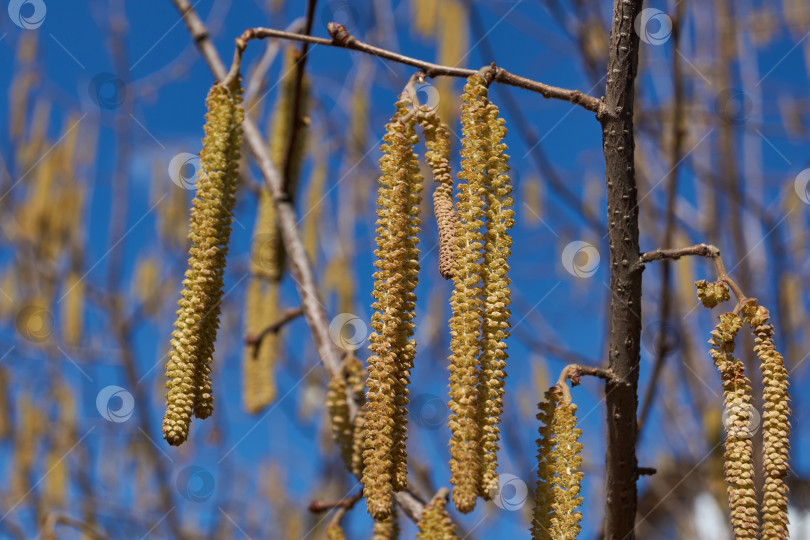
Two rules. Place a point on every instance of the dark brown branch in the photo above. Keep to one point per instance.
(347, 503)
(621, 392)
(289, 315)
(343, 39)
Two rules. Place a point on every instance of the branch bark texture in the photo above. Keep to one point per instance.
(625, 279)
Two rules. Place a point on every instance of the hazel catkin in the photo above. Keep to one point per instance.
(435, 523)
(738, 457)
(391, 346)
(188, 367)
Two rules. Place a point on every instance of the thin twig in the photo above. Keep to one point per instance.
(343, 39)
(290, 314)
(572, 372)
(346, 503)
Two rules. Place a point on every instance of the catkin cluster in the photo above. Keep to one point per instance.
(188, 368)
(435, 523)
(392, 349)
(775, 424)
(480, 299)
(738, 456)
(556, 514)
(740, 423)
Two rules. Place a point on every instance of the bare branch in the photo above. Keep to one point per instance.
(343, 39)
(289, 315)
(346, 504)
(572, 372)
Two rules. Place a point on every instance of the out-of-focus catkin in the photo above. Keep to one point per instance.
(775, 423)
(73, 309)
(392, 349)
(387, 528)
(556, 514)
(349, 384)
(188, 368)
(437, 142)
(335, 532)
(436, 523)
(258, 377)
(497, 297)
(738, 457)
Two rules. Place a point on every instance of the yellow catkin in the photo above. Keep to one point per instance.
(258, 381)
(273, 255)
(437, 141)
(188, 368)
(358, 441)
(466, 302)
(314, 200)
(147, 285)
(335, 532)
(436, 523)
(738, 457)
(267, 250)
(352, 379)
(5, 407)
(424, 16)
(73, 309)
(497, 298)
(711, 293)
(387, 528)
(775, 424)
(556, 514)
(391, 346)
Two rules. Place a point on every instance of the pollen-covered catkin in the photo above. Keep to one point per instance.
(435, 523)
(204, 399)
(775, 424)
(557, 514)
(386, 529)
(711, 293)
(335, 532)
(437, 142)
(351, 379)
(466, 303)
(497, 298)
(738, 457)
(188, 367)
(391, 346)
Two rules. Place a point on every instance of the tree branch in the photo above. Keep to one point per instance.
(343, 39)
(572, 372)
(290, 314)
(346, 503)
(621, 392)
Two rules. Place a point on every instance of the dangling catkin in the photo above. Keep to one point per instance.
(435, 523)
(192, 341)
(258, 381)
(437, 141)
(352, 378)
(497, 298)
(334, 532)
(387, 528)
(556, 514)
(775, 425)
(466, 303)
(738, 458)
(392, 350)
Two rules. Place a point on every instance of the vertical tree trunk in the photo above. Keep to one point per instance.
(625, 282)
